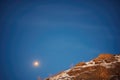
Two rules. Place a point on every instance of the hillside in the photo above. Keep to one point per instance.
(104, 67)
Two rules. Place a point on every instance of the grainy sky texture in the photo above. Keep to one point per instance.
(58, 33)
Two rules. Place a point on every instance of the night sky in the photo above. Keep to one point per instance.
(57, 33)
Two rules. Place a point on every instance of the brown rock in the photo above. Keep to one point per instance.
(80, 64)
(106, 67)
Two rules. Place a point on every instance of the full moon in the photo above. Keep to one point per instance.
(36, 63)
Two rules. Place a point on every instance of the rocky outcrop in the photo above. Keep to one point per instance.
(104, 67)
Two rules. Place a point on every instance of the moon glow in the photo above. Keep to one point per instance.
(36, 63)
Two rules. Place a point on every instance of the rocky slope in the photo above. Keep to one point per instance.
(104, 67)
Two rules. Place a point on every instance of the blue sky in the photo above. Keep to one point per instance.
(56, 33)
